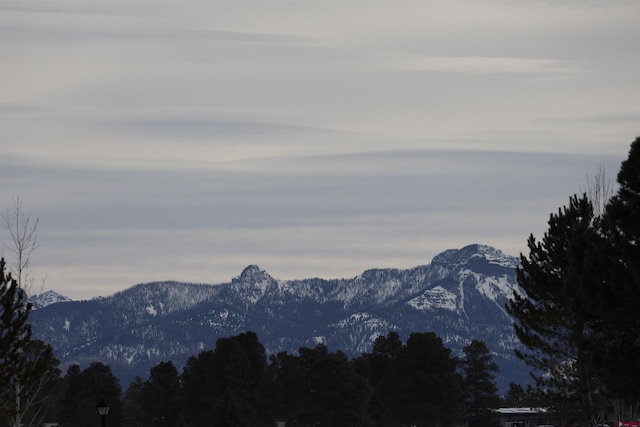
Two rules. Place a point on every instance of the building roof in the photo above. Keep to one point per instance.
(519, 410)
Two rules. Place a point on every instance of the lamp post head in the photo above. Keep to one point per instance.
(103, 408)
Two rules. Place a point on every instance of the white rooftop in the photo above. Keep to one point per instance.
(519, 410)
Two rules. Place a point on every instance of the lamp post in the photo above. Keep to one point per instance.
(103, 410)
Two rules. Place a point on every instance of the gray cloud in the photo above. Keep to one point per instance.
(187, 140)
(320, 216)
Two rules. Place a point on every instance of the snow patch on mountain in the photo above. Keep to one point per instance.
(495, 256)
(163, 298)
(261, 288)
(362, 318)
(320, 339)
(283, 286)
(434, 298)
(353, 319)
(493, 288)
(462, 300)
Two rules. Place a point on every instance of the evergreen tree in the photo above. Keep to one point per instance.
(549, 320)
(616, 296)
(133, 410)
(231, 376)
(15, 334)
(581, 284)
(421, 387)
(28, 369)
(478, 384)
(200, 388)
(84, 389)
(331, 393)
(385, 350)
(231, 411)
(159, 396)
(72, 390)
(287, 382)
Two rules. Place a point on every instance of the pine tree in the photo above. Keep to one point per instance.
(84, 389)
(478, 383)
(421, 386)
(318, 387)
(616, 297)
(385, 350)
(286, 377)
(134, 410)
(549, 317)
(216, 382)
(160, 396)
(15, 334)
(581, 286)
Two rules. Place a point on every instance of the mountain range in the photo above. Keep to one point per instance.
(460, 296)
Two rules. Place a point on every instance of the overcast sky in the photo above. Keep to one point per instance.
(160, 140)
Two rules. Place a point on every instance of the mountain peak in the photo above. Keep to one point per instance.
(47, 298)
(252, 283)
(252, 273)
(475, 254)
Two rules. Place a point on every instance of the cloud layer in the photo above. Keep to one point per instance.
(187, 140)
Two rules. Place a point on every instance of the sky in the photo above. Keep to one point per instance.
(185, 140)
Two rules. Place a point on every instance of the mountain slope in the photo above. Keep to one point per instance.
(460, 296)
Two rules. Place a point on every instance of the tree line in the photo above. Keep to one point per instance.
(576, 316)
(414, 383)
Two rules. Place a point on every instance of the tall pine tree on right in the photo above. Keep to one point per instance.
(577, 315)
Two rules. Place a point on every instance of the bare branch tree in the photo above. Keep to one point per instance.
(23, 230)
(599, 190)
(38, 381)
(32, 379)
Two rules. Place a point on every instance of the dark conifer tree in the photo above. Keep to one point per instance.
(421, 386)
(226, 383)
(28, 369)
(160, 396)
(548, 320)
(478, 384)
(579, 283)
(231, 410)
(15, 333)
(385, 350)
(332, 392)
(133, 410)
(613, 306)
(84, 389)
(72, 390)
(286, 380)
(200, 388)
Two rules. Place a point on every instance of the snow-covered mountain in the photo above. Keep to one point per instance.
(47, 298)
(460, 295)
